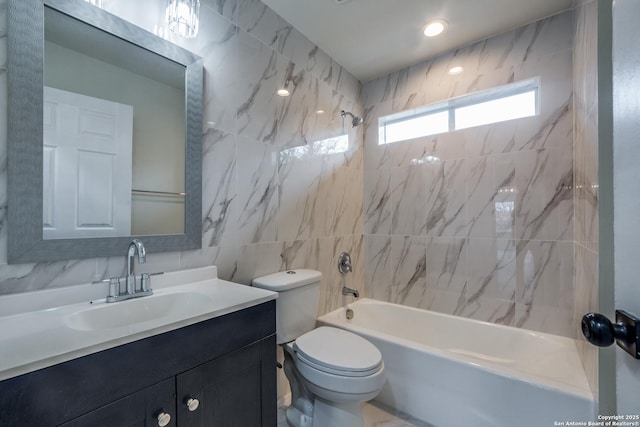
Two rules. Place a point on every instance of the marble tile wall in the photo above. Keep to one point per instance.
(479, 222)
(585, 62)
(282, 184)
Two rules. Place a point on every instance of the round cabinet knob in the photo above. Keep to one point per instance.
(164, 419)
(192, 404)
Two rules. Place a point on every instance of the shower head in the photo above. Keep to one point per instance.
(356, 121)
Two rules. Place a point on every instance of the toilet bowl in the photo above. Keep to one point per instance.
(339, 370)
(331, 371)
(338, 365)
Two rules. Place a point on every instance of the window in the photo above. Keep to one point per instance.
(508, 102)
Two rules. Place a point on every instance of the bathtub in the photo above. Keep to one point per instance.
(452, 372)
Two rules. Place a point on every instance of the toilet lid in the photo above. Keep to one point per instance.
(334, 349)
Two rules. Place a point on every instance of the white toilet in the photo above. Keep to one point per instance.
(331, 371)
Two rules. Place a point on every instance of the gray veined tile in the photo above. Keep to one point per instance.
(454, 303)
(585, 56)
(545, 287)
(408, 280)
(224, 258)
(377, 203)
(257, 63)
(221, 78)
(377, 252)
(446, 263)
(408, 196)
(492, 310)
(386, 88)
(296, 254)
(292, 44)
(492, 269)
(294, 112)
(219, 191)
(544, 204)
(321, 257)
(347, 84)
(31, 277)
(257, 188)
(259, 20)
(481, 193)
(257, 260)
(552, 129)
(446, 199)
(226, 8)
(340, 191)
(491, 196)
(320, 65)
(299, 181)
(552, 34)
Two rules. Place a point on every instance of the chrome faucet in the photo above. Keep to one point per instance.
(132, 291)
(344, 267)
(135, 247)
(349, 291)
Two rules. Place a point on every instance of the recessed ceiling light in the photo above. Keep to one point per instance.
(320, 112)
(454, 71)
(283, 92)
(435, 27)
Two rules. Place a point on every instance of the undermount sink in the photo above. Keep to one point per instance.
(135, 311)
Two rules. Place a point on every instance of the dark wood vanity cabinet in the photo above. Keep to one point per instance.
(140, 409)
(226, 365)
(230, 390)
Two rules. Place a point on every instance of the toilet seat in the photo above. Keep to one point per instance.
(338, 352)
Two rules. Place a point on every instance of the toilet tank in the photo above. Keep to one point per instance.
(297, 303)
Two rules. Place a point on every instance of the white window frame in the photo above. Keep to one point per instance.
(451, 105)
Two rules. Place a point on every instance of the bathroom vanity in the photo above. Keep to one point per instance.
(217, 369)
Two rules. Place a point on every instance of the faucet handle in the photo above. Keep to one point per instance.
(114, 286)
(145, 282)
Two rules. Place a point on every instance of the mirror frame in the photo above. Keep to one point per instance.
(25, 49)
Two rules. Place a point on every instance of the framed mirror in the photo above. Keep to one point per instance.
(105, 135)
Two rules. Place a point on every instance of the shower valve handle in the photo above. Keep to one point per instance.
(599, 330)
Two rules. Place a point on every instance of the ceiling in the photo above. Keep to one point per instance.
(371, 38)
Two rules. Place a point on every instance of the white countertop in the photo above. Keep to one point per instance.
(44, 328)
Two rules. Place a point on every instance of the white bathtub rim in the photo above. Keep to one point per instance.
(363, 301)
(547, 383)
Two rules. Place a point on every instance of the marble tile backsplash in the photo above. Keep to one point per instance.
(282, 183)
(478, 222)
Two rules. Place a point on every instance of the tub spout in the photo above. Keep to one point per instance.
(349, 291)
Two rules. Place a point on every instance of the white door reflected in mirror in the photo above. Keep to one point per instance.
(87, 157)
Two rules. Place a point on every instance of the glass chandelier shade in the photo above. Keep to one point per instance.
(97, 3)
(183, 17)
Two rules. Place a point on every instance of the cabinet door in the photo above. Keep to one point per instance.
(139, 409)
(236, 390)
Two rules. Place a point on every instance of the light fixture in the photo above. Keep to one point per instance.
(435, 27)
(183, 17)
(284, 90)
(97, 3)
(319, 111)
(454, 71)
